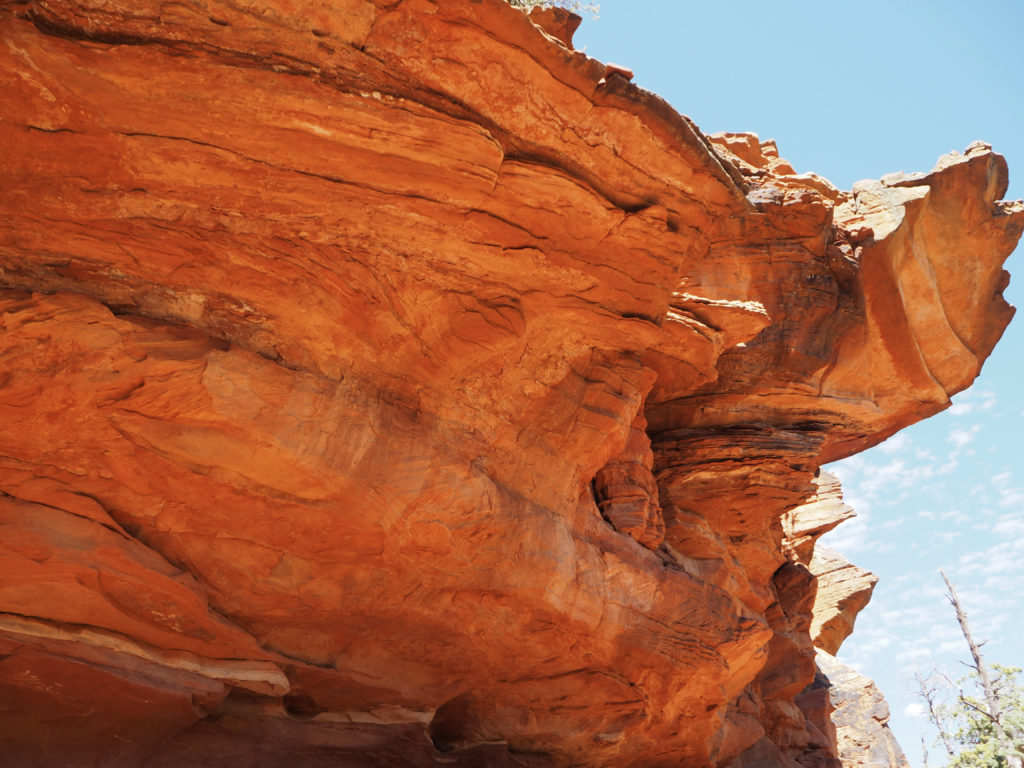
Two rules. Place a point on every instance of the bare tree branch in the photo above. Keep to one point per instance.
(928, 691)
(992, 703)
(979, 709)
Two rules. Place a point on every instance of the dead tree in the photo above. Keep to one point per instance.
(929, 692)
(993, 710)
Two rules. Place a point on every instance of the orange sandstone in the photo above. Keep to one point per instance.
(390, 384)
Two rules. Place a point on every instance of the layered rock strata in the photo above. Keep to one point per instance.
(846, 718)
(390, 384)
(843, 591)
(860, 716)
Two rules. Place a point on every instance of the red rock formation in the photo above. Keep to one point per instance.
(388, 384)
(846, 716)
(843, 591)
(861, 719)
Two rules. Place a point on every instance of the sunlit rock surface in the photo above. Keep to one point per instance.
(860, 717)
(843, 591)
(389, 384)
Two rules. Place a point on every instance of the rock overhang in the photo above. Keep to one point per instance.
(354, 308)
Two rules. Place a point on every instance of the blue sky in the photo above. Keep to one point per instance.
(855, 90)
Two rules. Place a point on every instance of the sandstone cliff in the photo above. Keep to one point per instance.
(386, 383)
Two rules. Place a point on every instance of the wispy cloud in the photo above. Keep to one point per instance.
(1004, 557)
(898, 443)
(1011, 497)
(973, 401)
(853, 536)
(962, 437)
(915, 709)
(945, 494)
(961, 409)
(1009, 526)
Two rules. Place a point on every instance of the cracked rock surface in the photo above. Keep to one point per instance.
(387, 383)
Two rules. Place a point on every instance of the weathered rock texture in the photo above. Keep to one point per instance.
(847, 718)
(860, 718)
(843, 591)
(389, 384)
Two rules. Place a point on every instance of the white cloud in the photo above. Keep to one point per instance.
(1004, 557)
(878, 644)
(948, 492)
(915, 614)
(955, 516)
(850, 465)
(882, 480)
(898, 443)
(972, 400)
(1011, 497)
(851, 536)
(953, 645)
(1003, 584)
(915, 709)
(890, 525)
(962, 437)
(1009, 526)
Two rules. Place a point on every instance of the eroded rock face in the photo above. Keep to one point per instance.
(843, 591)
(389, 384)
(846, 715)
(860, 717)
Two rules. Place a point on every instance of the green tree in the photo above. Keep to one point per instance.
(984, 742)
(979, 718)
